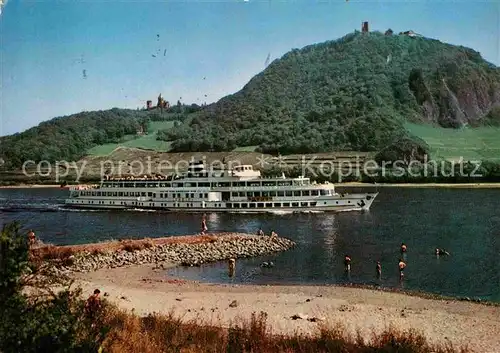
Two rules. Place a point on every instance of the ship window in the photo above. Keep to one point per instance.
(260, 205)
(234, 194)
(161, 195)
(251, 205)
(239, 184)
(289, 193)
(225, 185)
(254, 183)
(244, 205)
(296, 193)
(143, 194)
(286, 204)
(120, 194)
(256, 193)
(324, 192)
(284, 183)
(305, 192)
(313, 204)
(268, 183)
(265, 193)
(150, 194)
(137, 194)
(192, 196)
(178, 185)
(93, 193)
(303, 204)
(268, 204)
(314, 193)
(295, 204)
(205, 195)
(281, 193)
(140, 185)
(277, 205)
(229, 205)
(204, 185)
(201, 196)
(115, 194)
(272, 193)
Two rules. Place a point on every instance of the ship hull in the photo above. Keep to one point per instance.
(337, 203)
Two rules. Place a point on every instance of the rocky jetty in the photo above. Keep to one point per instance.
(185, 254)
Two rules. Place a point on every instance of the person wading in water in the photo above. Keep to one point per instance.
(347, 263)
(204, 228)
(402, 266)
(379, 269)
(231, 267)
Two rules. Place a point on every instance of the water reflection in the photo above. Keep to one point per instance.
(423, 218)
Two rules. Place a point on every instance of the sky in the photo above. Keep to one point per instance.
(61, 57)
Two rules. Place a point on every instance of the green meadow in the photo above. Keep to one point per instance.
(471, 144)
(148, 142)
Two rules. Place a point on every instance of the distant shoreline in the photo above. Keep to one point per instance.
(350, 184)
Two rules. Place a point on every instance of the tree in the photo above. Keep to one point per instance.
(34, 317)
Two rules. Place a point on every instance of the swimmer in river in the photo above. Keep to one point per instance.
(403, 248)
(442, 252)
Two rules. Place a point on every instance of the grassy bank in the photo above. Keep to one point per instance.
(168, 333)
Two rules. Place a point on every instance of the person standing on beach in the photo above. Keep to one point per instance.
(204, 228)
(379, 269)
(31, 238)
(93, 305)
(402, 266)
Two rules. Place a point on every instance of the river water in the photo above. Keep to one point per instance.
(466, 222)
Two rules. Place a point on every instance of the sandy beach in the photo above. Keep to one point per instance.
(146, 290)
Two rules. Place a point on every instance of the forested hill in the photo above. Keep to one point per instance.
(353, 93)
(69, 137)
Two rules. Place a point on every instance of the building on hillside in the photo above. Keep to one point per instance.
(162, 103)
(364, 27)
(389, 32)
(149, 104)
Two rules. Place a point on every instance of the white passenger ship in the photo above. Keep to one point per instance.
(241, 189)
